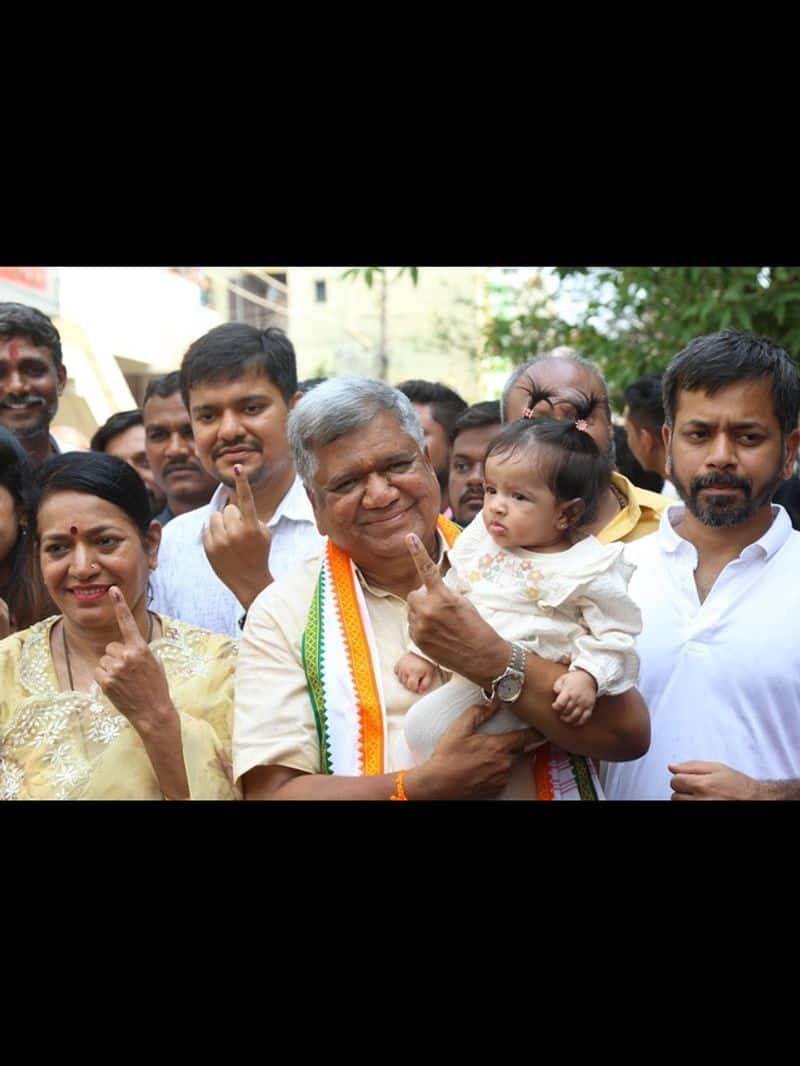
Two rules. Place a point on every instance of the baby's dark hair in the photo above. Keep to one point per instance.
(569, 461)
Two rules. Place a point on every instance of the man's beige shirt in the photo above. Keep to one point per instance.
(273, 719)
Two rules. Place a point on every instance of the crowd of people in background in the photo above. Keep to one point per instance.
(256, 587)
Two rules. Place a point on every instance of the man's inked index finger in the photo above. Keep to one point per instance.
(426, 567)
(244, 495)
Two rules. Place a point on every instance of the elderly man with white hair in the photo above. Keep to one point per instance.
(319, 711)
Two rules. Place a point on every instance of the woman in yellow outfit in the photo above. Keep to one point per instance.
(109, 700)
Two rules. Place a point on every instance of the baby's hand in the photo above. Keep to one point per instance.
(415, 673)
(576, 693)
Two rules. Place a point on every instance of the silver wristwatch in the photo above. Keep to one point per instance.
(508, 686)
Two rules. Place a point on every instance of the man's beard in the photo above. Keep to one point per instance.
(723, 511)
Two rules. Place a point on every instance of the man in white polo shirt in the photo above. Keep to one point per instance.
(718, 584)
(238, 384)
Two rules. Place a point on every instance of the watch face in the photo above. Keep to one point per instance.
(508, 689)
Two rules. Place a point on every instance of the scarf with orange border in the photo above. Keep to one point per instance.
(340, 659)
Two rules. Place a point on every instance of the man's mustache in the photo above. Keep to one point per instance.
(720, 480)
(253, 445)
(31, 399)
(468, 497)
(171, 468)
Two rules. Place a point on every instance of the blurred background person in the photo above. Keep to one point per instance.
(32, 377)
(627, 465)
(123, 435)
(472, 433)
(643, 420)
(171, 453)
(309, 383)
(788, 496)
(437, 406)
(22, 597)
(549, 385)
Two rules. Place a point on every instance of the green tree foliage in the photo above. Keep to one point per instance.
(636, 318)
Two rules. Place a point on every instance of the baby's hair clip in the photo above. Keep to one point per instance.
(582, 425)
(527, 412)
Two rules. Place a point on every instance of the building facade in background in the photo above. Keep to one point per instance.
(432, 330)
(121, 326)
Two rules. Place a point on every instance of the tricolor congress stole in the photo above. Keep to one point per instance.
(341, 660)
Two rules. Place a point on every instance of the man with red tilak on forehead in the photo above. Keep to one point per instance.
(32, 377)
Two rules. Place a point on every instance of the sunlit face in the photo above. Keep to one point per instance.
(436, 441)
(371, 488)
(9, 525)
(725, 456)
(519, 509)
(129, 446)
(244, 422)
(560, 379)
(465, 489)
(30, 385)
(106, 549)
(171, 452)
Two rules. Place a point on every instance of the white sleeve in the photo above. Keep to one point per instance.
(612, 622)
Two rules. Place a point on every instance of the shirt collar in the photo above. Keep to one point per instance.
(443, 554)
(775, 537)
(219, 501)
(295, 505)
(628, 518)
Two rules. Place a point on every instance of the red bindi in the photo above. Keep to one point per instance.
(73, 530)
(13, 351)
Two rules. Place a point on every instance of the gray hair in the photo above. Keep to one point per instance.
(341, 406)
(564, 353)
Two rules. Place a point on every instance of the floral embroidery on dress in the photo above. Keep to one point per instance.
(11, 778)
(504, 567)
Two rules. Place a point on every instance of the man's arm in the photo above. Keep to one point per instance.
(465, 765)
(276, 750)
(697, 780)
(449, 630)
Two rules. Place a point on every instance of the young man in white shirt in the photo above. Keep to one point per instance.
(238, 384)
(717, 584)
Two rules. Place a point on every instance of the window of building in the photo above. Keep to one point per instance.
(320, 292)
(243, 310)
